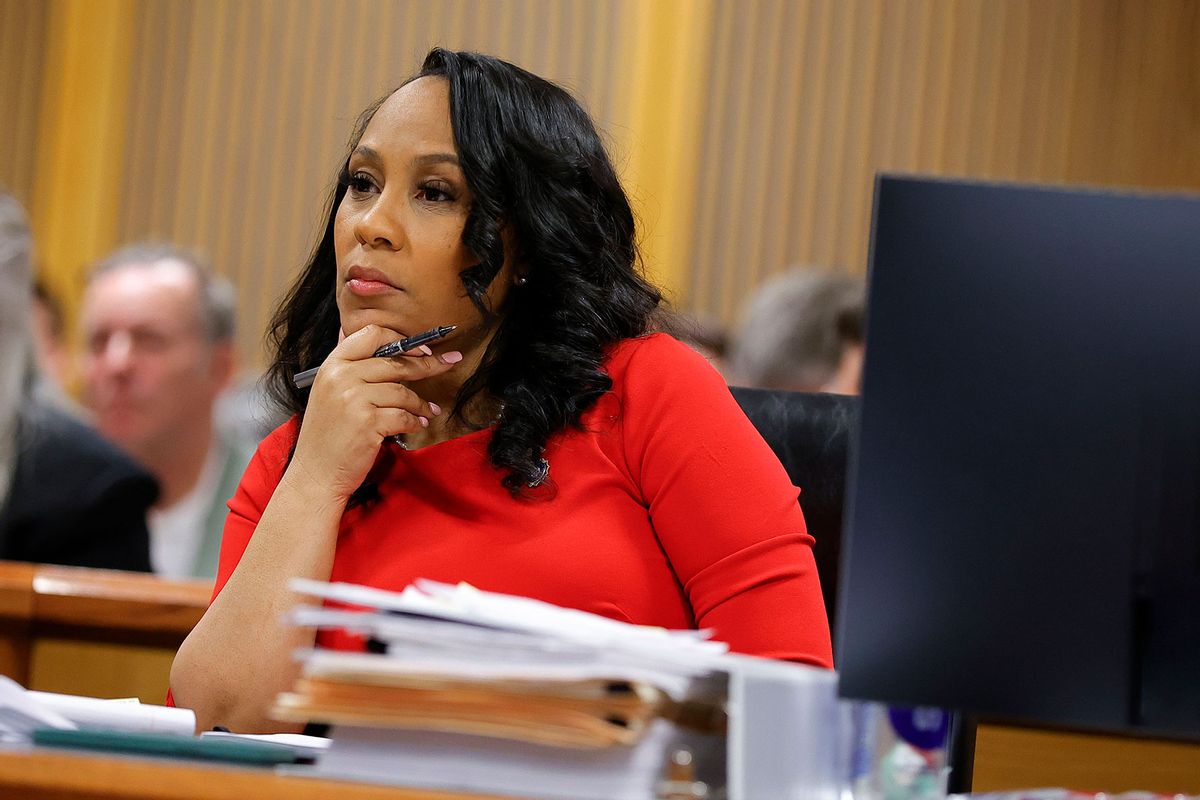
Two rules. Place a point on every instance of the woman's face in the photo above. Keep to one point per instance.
(398, 230)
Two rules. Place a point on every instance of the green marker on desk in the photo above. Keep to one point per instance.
(172, 745)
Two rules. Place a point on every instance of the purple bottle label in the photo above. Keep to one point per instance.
(923, 727)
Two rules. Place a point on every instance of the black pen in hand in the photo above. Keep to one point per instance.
(304, 379)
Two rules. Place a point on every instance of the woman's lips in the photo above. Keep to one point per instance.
(368, 282)
(362, 286)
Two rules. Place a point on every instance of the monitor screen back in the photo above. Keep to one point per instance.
(1023, 535)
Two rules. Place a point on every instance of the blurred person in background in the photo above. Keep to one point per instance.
(66, 495)
(701, 333)
(159, 351)
(802, 331)
(245, 411)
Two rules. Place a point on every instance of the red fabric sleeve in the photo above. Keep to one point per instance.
(722, 506)
(258, 483)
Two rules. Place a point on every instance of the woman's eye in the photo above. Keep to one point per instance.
(434, 193)
(360, 183)
(357, 183)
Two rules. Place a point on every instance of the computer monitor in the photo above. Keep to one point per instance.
(1023, 512)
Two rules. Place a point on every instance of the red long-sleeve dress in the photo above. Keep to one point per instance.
(668, 509)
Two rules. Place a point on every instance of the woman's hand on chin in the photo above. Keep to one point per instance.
(356, 402)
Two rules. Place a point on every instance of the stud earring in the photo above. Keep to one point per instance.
(520, 280)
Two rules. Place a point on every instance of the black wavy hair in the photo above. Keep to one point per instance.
(538, 169)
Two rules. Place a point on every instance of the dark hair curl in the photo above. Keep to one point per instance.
(537, 169)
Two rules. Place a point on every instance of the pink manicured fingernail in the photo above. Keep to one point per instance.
(453, 357)
(424, 422)
(425, 349)
(436, 408)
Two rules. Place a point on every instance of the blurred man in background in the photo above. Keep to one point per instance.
(159, 351)
(802, 331)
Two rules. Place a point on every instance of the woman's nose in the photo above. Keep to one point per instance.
(379, 225)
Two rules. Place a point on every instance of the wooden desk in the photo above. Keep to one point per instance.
(94, 632)
(1022, 758)
(62, 775)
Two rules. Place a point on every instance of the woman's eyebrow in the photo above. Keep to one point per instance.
(430, 159)
(367, 153)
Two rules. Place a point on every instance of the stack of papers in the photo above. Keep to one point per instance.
(43, 719)
(22, 712)
(474, 691)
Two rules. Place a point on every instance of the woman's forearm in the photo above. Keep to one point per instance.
(239, 656)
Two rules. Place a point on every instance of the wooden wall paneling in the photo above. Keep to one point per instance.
(1060, 63)
(239, 112)
(1009, 93)
(312, 176)
(326, 105)
(1080, 133)
(501, 34)
(576, 47)
(857, 216)
(883, 105)
(1132, 61)
(213, 24)
(785, 119)
(166, 68)
(83, 107)
(807, 177)
(326, 114)
(857, 174)
(271, 247)
(1165, 150)
(965, 25)
(1092, 133)
(386, 65)
(707, 227)
(985, 109)
(909, 65)
(232, 170)
(761, 127)
(249, 217)
(663, 67)
(1033, 130)
(1097, 92)
(137, 177)
(1186, 103)
(589, 44)
(930, 143)
(743, 128)
(549, 40)
(834, 122)
(22, 34)
(196, 74)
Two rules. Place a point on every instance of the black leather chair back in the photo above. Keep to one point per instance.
(810, 433)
